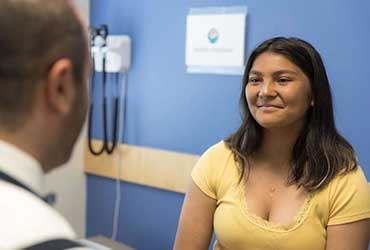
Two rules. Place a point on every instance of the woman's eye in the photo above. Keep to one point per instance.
(254, 80)
(283, 80)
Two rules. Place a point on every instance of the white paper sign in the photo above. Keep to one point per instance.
(215, 40)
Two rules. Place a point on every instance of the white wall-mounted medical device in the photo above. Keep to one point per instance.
(117, 53)
(111, 55)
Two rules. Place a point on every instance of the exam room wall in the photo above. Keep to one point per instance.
(172, 110)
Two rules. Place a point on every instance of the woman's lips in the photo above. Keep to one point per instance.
(269, 107)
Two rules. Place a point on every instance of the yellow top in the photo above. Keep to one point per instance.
(346, 199)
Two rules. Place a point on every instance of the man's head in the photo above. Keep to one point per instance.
(43, 69)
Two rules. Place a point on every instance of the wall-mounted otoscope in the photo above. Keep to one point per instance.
(110, 54)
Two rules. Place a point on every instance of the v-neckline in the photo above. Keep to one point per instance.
(268, 225)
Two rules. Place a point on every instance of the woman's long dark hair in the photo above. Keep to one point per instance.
(320, 152)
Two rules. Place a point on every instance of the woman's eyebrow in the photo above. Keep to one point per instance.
(285, 71)
(255, 72)
(279, 72)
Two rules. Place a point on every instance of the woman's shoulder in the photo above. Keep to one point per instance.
(349, 197)
(219, 154)
(354, 177)
(345, 181)
(213, 169)
(221, 159)
(219, 149)
(216, 156)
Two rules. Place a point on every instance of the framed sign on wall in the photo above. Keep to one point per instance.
(215, 40)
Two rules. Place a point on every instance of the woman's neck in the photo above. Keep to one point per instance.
(277, 146)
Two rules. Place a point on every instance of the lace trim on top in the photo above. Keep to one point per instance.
(297, 220)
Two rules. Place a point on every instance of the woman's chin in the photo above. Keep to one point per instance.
(271, 124)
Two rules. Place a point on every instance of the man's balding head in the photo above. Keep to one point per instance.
(34, 35)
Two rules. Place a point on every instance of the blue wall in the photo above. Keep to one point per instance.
(170, 109)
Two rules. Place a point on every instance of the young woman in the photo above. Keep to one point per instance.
(286, 179)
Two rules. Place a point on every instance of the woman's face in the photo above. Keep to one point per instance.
(278, 93)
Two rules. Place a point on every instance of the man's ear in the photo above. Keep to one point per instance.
(60, 89)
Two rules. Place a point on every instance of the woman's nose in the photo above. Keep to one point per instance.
(267, 90)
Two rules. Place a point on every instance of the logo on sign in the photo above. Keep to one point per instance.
(213, 35)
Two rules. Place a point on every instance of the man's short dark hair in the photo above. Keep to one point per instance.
(34, 35)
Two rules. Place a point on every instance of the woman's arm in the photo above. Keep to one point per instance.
(195, 225)
(350, 236)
